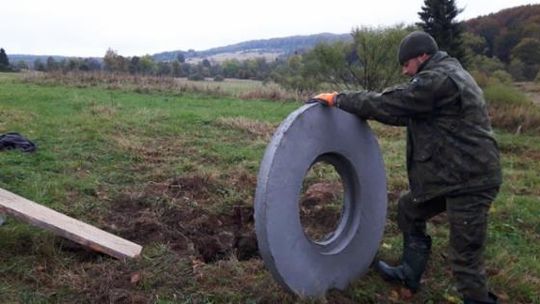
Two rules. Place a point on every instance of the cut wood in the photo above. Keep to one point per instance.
(68, 227)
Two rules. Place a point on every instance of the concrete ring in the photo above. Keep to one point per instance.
(311, 134)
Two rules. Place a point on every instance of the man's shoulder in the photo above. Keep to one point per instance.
(428, 78)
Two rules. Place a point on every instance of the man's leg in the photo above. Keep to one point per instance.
(467, 215)
(412, 218)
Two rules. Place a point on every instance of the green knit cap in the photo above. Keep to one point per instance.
(416, 44)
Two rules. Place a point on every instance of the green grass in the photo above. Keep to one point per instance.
(504, 94)
(512, 109)
(146, 165)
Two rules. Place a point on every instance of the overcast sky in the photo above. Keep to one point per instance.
(135, 27)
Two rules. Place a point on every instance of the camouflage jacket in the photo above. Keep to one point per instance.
(450, 145)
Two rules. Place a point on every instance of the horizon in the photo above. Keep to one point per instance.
(25, 31)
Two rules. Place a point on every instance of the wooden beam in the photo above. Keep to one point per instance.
(68, 227)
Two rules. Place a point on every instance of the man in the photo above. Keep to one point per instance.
(452, 161)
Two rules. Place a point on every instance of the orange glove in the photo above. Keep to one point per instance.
(327, 99)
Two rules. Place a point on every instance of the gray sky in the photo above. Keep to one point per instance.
(136, 27)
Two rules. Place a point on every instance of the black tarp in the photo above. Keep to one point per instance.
(13, 140)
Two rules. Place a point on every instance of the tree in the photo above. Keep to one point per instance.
(230, 68)
(438, 20)
(377, 66)
(185, 69)
(114, 62)
(39, 65)
(91, 64)
(134, 65)
(164, 69)
(72, 64)
(485, 64)
(505, 42)
(473, 45)
(22, 65)
(4, 61)
(489, 29)
(206, 63)
(327, 63)
(180, 57)
(369, 62)
(147, 65)
(52, 65)
(176, 69)
(291, 75)
(528, 51)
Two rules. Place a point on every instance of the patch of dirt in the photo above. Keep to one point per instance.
(116, 284)
(524, 153)
(196, 187)
(175, 213)
(187, 229)
(320, 209)
(321, 192)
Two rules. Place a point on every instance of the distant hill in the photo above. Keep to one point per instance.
(269, 48)
(505, 29)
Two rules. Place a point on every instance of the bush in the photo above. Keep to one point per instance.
(485, 64)
(196, 77)
(510, 109)
(219, 78)
(481, 78)
(516, 68)
(519, 119)
(497, 93)
(502, 77)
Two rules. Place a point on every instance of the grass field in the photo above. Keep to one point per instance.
(176, 172)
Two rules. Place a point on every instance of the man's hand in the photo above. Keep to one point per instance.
(328, 99)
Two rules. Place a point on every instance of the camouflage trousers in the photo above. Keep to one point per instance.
(467, 217)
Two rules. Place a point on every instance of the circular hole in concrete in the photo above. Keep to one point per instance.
(321, 202)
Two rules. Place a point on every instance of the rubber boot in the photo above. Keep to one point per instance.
(492, 300)
(416, 250)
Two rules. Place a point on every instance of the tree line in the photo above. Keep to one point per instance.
(147, 65)
(257, 68)
(511, 38)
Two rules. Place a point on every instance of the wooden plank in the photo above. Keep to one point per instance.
(68, 227)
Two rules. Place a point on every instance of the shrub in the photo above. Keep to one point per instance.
(497, 93)
(502, 77)
(510, 109)
(219, 78)
(485, 64)
(196, 77)
(516, 119)
(481, 78)
(516, 68)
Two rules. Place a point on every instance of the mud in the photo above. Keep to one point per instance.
(189, 234)
(186, 228)
(320, 209)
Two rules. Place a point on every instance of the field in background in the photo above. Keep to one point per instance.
(175, 170)
(237, 88)
(238, 55)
